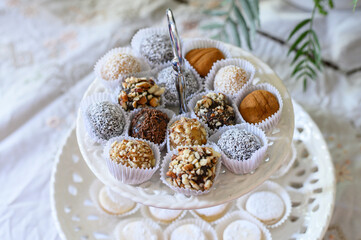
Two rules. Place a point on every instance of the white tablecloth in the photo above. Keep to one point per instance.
(47, 52)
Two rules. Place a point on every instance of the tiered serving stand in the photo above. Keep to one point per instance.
(310, 181)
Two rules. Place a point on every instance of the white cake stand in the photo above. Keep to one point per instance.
(310, 183)
(228, 186)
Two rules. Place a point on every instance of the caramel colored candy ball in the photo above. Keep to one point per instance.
(258, 105)
(202, 59)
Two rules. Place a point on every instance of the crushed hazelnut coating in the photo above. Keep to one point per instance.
(187, 131)
(139, 93)
(258, 105)
(214, 110)
(119, 63)
(193, 168)
(132, 153)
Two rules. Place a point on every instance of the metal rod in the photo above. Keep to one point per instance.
(177, 61)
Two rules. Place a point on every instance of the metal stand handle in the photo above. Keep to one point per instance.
(177, 61)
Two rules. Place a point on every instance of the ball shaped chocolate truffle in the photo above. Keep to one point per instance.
(149, 124)
(215, 111)
(230, 79)
(106, 120)
(202, 59)
(187, 131)
(118, 64)
(157, 48)
(167, 79)
(238, 144)
(258, 106)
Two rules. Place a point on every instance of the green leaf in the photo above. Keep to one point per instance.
(212, 26)
(298, 67)
(330, 3)
(255, 9)
(235, 34)
(315, 38)
(249, 14)
(313, 61)
(243, 26)
(354, 4)
(298, 40)
(298, 26)
(311, 70)
(216, 12)
(300, 52)
(304, 84)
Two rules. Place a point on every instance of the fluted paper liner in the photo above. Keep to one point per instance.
(94, 191)
(129, 175)
(142, 34)
(287, 164)
(205, 43)
(272, 120)
(206, 228)
(188, 192)
(197, 77)
(241, 215)
(170, 115)
(192, 103)
(111, 84)
(244, 64)
(251, 164)
(152, 225)
(146, 213)
(97, 98)
(178, 117)
(230, 205)
(271, 187)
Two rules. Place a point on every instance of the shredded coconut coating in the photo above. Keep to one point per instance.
(157, 48)
(167, 79)
(132, 153)
(230, 79)
(106, 120)
(117, 64)
(238, 144)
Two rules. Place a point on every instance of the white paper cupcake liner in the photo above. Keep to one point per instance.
(146, 213)
(287, 164)
(178, 117)
(192, 103)
(241, 215)
(129, 175)
(97, 98)
(111, 84)
(275, 188)
(216, 221)
(205, 43)
(272, 120)
(170, 115)
(244, 64)
(148, 74)
(247, 166)
(188, 192)
(206, 228)
(144, 33)
(172, 103)
(152, 225)
(94, 191)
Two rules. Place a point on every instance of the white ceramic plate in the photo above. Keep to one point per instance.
(228, 186)
(310, 182)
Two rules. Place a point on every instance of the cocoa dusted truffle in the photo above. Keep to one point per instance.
(138, 93)
(167, 79)
(258, 105)
(202, 59)
(187, 131)
(215, 111)
(106, 120)
(132, 153)
(193, 168)
(150, 124)
(157, 48)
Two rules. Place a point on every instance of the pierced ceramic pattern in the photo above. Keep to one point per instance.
(310, 183)
(228, 186)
